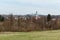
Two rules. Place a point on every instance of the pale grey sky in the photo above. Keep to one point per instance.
(30, 6)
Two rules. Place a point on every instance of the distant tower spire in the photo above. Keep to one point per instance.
(36, 15)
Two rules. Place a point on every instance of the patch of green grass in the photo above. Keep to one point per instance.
(38, 35)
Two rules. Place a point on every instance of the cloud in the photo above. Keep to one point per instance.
(30, 6)
(39, 1)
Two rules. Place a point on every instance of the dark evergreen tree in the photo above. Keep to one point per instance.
(1, 18)
(48, 17)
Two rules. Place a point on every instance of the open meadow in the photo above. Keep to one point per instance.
(37, 35)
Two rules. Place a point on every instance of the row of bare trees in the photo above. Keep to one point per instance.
(28, 24)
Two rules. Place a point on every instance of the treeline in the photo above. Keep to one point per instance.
(27, 24)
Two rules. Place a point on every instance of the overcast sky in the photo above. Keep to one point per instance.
(22, 7)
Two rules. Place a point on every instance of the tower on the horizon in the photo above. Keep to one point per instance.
(36, 15)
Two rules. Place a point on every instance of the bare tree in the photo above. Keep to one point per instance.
(11, 21)
(18, 21)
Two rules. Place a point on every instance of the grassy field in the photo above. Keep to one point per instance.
(38, 35)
